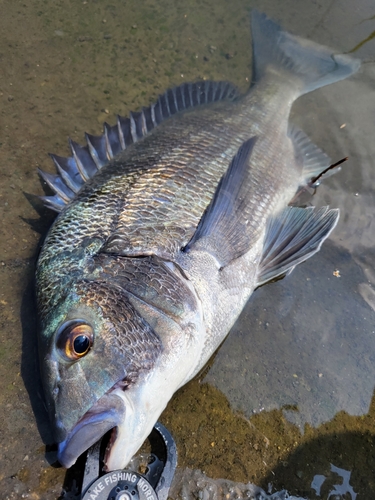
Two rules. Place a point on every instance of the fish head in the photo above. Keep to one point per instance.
(112, 361)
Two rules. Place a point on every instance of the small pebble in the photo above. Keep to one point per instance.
(85, 38)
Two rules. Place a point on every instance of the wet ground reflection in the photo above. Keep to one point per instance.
(317, 354)
(268, 450)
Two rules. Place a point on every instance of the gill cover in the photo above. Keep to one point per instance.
(95, 339)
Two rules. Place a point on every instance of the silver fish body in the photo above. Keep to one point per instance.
(163, 234)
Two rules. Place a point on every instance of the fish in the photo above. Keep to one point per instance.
(167, 223)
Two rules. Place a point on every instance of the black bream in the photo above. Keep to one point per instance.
(167, 224)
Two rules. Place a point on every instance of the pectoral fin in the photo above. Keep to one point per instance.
(292, 237)
(222, 230)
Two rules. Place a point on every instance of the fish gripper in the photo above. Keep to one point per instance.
(127, 484)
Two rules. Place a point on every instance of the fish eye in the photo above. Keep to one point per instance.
(75, 339)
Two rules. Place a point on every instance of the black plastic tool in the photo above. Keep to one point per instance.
(126, 484)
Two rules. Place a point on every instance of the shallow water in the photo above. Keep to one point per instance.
(290, 392)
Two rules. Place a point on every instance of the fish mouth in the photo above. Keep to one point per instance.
(106, 414)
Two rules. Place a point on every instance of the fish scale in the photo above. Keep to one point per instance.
(188, 197)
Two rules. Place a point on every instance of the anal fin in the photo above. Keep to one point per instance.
(293, 236)
(222, 231)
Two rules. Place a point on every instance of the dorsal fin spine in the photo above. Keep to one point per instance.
(69, 180)
(187, 96)
(198, 94)
(120, 133)
(175, 99)
(98, 148)
(79, 164)
(56, 183)
(153, 115)
(143, 124)
(217, 94)
(86, 161)
(147, 115)
(205, 94)
(66, 179)
(170, 103)
(94, 154)
(126, 129)
(54, 202)
(107, 141)
(180, 94)
(133, 128)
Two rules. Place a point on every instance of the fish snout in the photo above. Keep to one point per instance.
(106, 414)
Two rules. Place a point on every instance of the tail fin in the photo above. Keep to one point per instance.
(313, 64)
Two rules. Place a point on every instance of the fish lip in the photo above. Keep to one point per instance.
(103, 416)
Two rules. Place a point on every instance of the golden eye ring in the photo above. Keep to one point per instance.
(75, 339)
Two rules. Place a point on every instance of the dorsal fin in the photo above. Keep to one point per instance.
(74, 171)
